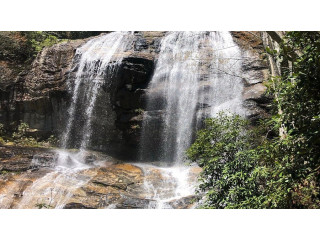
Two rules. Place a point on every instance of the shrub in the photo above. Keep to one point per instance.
(37, 40)
(224, 151)
(21, 139)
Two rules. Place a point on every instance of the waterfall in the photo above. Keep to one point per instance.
(222, 90)
(97, 61)
(197, 75)
(95, 64)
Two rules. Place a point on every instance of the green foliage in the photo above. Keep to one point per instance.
(139, 111)
(22, 47)
(21, 131)
(37, 40)
(271, 52)
(73, 34)
(52, 140)
(293, 158)
(20, 137)
(224, 151)
(281, 168)
(23, 137)
(46, 42)
(43, 205)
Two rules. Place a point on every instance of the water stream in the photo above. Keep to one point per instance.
(95, 63)
(196, 76)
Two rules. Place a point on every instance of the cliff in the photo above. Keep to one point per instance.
(36, 93)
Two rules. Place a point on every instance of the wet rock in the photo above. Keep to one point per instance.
(254, 92)
(38, 96)
(43, 160)
(119, 177)
(140, 44)
(251, 77)
(183, 203)
(130, 100)
(13, 185)
(256, 102)
(20, 159)
(255, 64)
(122, 186)
(255, 111)
(137, 70)
(76, 206)
(249, 40)
(16, 165)
(90, 158)
(51, 68)
(134, 203)
(5, 153)
(110, 185)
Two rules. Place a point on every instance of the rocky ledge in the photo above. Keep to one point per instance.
(29, 179)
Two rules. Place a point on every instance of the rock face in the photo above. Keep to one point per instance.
(38, 94)
(255, 71)
(29, 179)
(20, 159)
(116, 186)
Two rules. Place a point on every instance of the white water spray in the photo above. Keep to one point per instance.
(196, 76)
(96, 62)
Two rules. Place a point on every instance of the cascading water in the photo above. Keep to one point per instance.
(196, 76)
(95, 63)
(222, 88)
(54, 189)
(98, 60)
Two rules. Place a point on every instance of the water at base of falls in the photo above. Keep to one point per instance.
(55, 188)
(92, 182)
(167, 184)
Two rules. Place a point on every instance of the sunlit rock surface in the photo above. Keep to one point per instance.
(103, 183)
